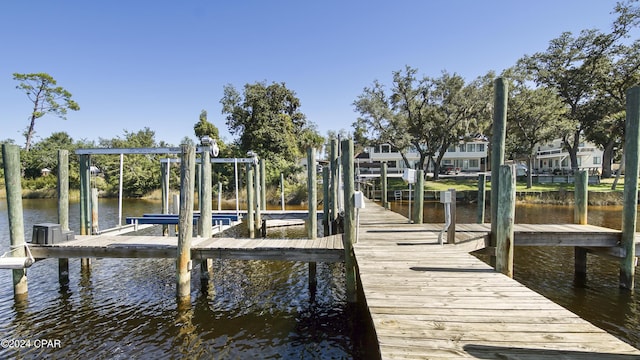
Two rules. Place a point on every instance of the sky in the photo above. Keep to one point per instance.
(157, 64)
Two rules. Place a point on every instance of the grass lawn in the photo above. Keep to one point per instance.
(472, 184)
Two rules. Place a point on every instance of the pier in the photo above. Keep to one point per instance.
(432, 301)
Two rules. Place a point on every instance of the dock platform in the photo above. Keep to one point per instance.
(429, 301)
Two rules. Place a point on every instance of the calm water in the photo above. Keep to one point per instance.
(549, 270)
(126, 308)
(256, 309)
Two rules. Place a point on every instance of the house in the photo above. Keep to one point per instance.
(553, 158)
(470, 156)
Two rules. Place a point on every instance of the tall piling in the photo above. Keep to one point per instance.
(325, 201)
(349, 236)
(185, 223)
(333, 190)
(418, 209)
(497, 152)
(63, 210)
(630, 200)
(383, 185)
(205, 222)
(251, 199)
(580, 217)
(85, 202)
(482, 186)
(164, 185)
(263, 185)
(504, 220)
(312, 191)
(13, 186)
(258, 200)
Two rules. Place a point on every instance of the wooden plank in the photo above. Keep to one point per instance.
(432, 301)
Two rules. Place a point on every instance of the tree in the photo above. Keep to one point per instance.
(575, 68)
(269, 122)
(535, 116)
(205, 128)
(141, 172)
(46, 98)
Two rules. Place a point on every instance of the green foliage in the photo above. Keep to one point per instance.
(46, 98)
(269, 122)
(141, 173)
(205, 128)
(426, 114)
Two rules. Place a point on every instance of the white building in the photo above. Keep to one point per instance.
(466, 156)
(551, 157)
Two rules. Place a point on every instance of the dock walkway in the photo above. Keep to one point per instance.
(429, 301)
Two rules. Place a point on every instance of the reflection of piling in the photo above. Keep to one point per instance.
(630, 202)
(580, 193)
(12, 176)
(63, 210)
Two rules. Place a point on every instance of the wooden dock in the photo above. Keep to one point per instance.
(327, 249)
(429, 301)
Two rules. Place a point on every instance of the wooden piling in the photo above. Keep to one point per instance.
(581, 194)
(312, 191)
(418, 209)
(333, 190)
(205, 223)
(325, 201)
(282, 205)
(451, 233)
(263, 185)
(482, 186)
(85, 202)
(63, 210)
(185, 221)
(12, 180)
(383, 185)
(630, 197)
(164, 185)
(251, 199)
(497, 152)
(95, 228)
(504, 220)
(257, 204)
(349, 236)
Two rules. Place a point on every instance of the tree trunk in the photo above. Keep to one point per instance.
(607, 157)
(29, 133)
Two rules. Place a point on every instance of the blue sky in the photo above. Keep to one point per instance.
(157, 64)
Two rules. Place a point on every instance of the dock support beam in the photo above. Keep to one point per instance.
(630, 198)
(12, 178)
(312, 190)
(349, 236)
(383, 185)
(185, 221)
(451, 231)
(263, 185)
(504, 220)
(164, 184)
(251, 199)
(258, 200)
(482, 186)
(325, 201)
(418, 209)
(333, 213)
(85, 202)
(497, 153)
(205, 222)
(63, 210)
